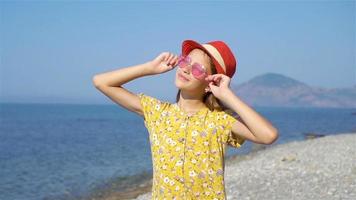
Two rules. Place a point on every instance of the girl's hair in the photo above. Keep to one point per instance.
(209, 99)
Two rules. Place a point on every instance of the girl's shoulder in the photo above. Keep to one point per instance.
(153, 103)
(224, 117)
(224, 113)
(149, 98)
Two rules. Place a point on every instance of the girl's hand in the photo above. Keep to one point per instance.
(164, 62)
(218, 84)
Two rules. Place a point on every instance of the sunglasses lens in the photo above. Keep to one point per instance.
(197, 70)
(182, 62)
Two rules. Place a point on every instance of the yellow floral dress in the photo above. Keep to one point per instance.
(187, 150)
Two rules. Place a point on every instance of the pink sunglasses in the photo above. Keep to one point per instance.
(198, 70)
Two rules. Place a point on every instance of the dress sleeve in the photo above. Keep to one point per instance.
(228, 137)
(151, 107)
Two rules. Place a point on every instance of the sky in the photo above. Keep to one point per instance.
(50, 50)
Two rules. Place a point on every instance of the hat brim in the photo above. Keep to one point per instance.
(189, 45)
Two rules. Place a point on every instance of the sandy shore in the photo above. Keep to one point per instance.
(320, 168)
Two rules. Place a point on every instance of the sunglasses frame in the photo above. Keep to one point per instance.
(187, 60)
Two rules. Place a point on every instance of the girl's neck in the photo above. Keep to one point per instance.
(191, 104)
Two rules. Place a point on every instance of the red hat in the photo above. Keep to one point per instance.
(220, 53)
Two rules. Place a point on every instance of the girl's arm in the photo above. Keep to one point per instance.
(110, 83)
(254, 127)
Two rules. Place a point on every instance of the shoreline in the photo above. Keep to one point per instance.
(288, 158)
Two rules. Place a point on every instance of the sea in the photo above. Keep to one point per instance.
(67, 151)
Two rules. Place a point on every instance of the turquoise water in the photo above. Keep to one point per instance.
(61, 151)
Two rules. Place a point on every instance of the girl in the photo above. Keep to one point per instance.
(188, 138)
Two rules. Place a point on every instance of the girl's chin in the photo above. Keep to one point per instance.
(180, 83)
(179, 86)
(185, 86)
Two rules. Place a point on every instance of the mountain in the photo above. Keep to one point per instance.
(277, 90)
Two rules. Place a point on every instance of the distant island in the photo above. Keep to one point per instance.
(277, 90)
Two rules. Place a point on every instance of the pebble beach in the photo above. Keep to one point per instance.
(319, 168)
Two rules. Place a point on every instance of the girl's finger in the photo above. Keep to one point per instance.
(216, 78)
(170, 58)
(174, 60)
(210, 77)
(216, 75)
(166, 56)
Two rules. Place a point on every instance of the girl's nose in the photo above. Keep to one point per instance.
(186, 70)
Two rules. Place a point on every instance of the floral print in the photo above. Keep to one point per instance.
(187, 150)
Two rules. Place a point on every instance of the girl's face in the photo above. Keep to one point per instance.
(184, 77)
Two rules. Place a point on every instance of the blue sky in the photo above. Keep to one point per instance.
(50, 50)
